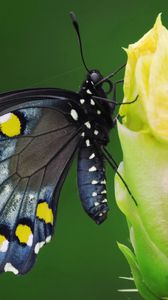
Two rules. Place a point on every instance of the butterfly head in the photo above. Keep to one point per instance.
(98, 81)
(91, 87)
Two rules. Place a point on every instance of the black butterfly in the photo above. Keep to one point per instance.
(41, 130)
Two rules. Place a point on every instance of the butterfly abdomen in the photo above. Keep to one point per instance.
(91, 182)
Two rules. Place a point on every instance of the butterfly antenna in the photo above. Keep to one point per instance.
(76, 26)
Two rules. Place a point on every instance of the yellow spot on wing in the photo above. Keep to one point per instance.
(12, 126)
(23, 232)
(2, 239)
(44, 212)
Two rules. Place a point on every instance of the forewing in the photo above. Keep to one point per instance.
(38, 139)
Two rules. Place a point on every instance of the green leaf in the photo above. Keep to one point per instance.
(139, 281)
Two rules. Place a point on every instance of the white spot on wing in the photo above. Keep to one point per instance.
(92, 156)
(5, 118)
(98, 112)
(92, 169)
(74, 114)
(38, 247)
(83, 134)
(92, 102)
(87, 143)
(96, 132)
(30, 240)
(104, 201)
(96, 203)
(82, 101)
(103, 181)
(48, 239)
(94, 194)
(104, 192)
(88, 125)
(88, 91)
(4, 246)
(10, 268)
(94, 182)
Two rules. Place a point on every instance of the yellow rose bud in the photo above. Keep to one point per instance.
(144, 140)
(147, 76)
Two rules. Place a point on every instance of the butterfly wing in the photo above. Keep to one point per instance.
(39, 136)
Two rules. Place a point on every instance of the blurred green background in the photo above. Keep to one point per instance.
(38, 48)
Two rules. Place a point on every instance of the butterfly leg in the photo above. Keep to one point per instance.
(114, 96)
(114, 166)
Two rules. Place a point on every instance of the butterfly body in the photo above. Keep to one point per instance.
(91, 169)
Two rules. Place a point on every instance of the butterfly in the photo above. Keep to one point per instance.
(41, 131)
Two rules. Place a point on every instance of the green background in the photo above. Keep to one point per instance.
(38, 48)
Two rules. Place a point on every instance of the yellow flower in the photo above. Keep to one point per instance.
(144, 140)
(147, 76)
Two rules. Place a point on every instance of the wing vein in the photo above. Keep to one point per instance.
(55, 155)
